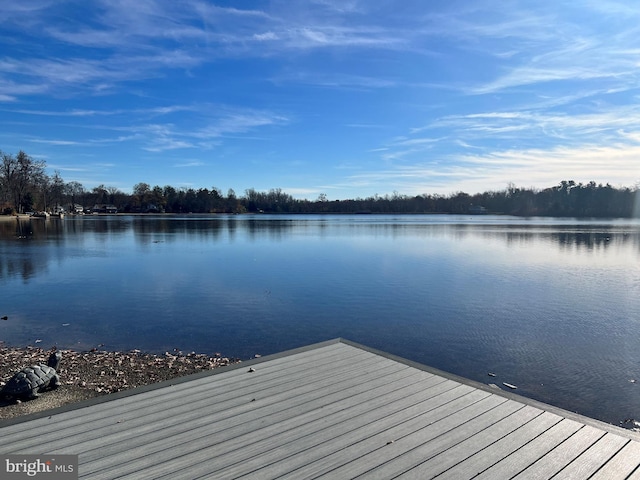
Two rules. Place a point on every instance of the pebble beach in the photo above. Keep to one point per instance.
(84, 375)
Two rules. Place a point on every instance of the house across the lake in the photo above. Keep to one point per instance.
(104, 208)
(477, 210)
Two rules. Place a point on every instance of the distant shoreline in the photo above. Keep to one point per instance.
(12, 218)
(7, 218)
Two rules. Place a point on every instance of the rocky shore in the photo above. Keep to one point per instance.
(84, 375)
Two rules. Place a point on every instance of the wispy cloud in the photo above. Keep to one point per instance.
(130, 42)
(545, 167)
(433, 95)
(602, 145)
(54, 142)
(135, 42)
(159, 110)
(234, 120)
(207, 124)
(12, 91)
(495, 170)
(557, 47)
(334, 79)
(538, 126)
(194, 163)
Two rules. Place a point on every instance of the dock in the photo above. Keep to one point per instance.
(331, 410)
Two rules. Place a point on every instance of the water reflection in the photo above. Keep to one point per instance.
(279, 226)
(537, 300)
(57, 239)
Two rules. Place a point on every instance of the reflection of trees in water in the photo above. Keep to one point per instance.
(26, 245)
(18, 259)
(24, 267)
(589, 240)
(563, 236)
(14, 229)
(32, 228)
(168, 229)
(580, 240)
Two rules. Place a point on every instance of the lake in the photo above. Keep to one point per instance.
(549, 305)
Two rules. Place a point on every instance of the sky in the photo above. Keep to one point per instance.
(344, 98)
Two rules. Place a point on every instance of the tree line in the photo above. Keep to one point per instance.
(25, 186)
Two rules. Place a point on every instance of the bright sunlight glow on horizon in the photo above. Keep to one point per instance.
(345, 98)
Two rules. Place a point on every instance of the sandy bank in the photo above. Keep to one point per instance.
(12, 218)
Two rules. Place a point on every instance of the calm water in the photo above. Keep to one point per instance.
(550, 305)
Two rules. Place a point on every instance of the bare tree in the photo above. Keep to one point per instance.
(20, 176)
(100, 193)
(57, 188)
(76, 191)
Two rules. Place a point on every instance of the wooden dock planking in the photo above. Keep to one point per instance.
(337, 439)
(621, 465)
(228, 384)
(371, 441)
(332, 410)
(241, 411)
(563, 454)
(219, 439)
(594, 457)
(271, 404)
(424, 448)
(492, 454)
(178, 404)
(303, 437)
(515, 462)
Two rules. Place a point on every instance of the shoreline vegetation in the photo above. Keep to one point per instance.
(89, 374)
(26, 187)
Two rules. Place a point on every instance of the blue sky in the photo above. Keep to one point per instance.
(343, 97)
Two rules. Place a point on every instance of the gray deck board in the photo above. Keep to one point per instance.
(514, 463)
(594, 457)
(485, 458)
(370, 439)
(212, 429)
(179, 403)
(332, 410)
(621, 465)
(475, 443)
(456, 444)
(635, 475)
(336, 440)
(564, 453)
(216, 435)
(305, 437)
(241, 412)
(228, 385)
